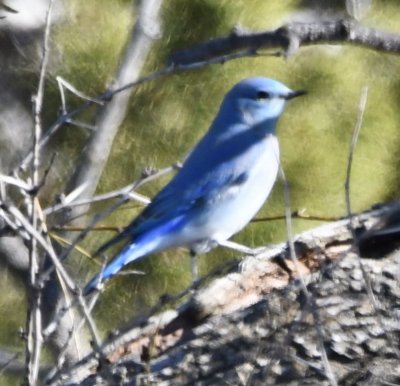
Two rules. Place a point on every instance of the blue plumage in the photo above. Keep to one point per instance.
(222, 184)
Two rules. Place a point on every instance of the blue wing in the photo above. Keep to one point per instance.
(199, 184)
(193, 188)
(172, 203)
(170, 211)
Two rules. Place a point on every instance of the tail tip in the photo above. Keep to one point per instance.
(92, 286)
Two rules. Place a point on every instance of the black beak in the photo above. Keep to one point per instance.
(295, 94)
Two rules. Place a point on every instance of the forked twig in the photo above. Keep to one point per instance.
(67, 116)
(62, 83)
(34, 312)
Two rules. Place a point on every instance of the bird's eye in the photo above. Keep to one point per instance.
(262, 95)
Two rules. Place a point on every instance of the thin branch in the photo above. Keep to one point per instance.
(177, 68)
(33, 233)
(14, 224)
(330, 32)
(126, 192)
(145, 200)
(57, 261)
(100, 216)
(62, 83)
(15, 182)
(78, 228)
(354, 140)
(65, 280)
(137, 52)
(34, 312)
(356, 132)
(297, 214)
(239, 45)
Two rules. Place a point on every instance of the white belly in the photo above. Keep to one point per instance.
(240, 203)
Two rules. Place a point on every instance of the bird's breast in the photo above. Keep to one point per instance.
(237, 204)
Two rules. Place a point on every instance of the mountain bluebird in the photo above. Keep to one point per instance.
(222, 184)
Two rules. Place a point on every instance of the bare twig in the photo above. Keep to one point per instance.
(100, 216)
(66, 282)
(14, 224)
(62, 83)
(127, 192)
(137, 52)
(300, 214)
(15, 182)
(239, 45)
(34, 313)
(145, 200)
(335, 31)
(354, 139)
(239, 247)
(33, 233)
(84, 181)
(356, 132)
(45, 275)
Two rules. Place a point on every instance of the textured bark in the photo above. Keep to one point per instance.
(256, 326)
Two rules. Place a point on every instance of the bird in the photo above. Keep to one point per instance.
(221, 185)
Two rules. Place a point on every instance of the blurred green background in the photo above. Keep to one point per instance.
(167, 116)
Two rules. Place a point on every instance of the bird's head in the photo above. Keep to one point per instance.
(259, 99)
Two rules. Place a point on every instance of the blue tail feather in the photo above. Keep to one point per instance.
(142, 246)
(129, 253)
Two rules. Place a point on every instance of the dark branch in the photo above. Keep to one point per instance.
(339, 31)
